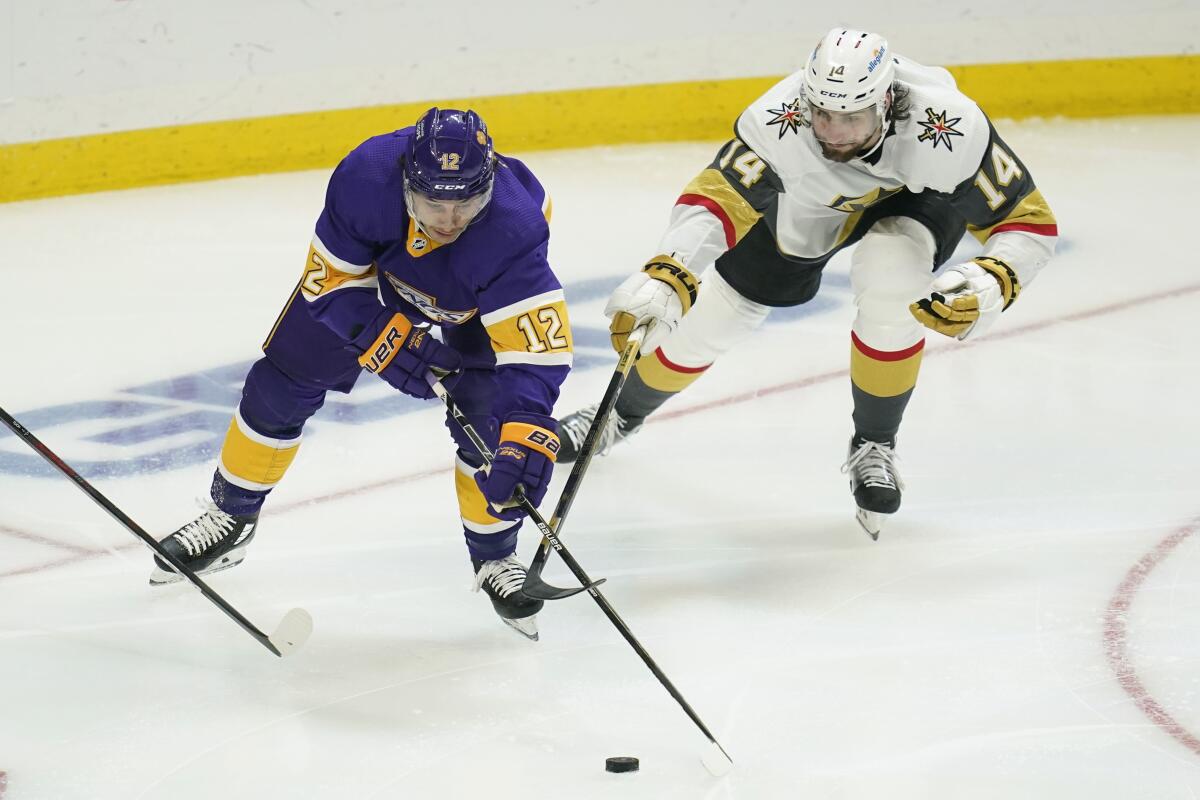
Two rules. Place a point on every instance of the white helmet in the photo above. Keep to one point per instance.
(849, 71)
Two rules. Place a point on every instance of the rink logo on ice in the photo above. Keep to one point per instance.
(180, 421)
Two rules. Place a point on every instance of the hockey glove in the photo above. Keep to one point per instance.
(525, 457)
(967, 298)
(402, 354)
(661, 293)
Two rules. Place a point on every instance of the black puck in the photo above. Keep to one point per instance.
(621, 764)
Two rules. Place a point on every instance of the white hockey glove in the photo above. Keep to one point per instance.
(967, 298)
(661, 294)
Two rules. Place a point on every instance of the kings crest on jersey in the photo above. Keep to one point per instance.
(495, 274)
(774, 170)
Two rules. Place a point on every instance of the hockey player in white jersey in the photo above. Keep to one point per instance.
(861, 146)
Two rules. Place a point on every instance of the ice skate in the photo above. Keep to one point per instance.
(502, 579)
(874, 481)
(210, 543)
(573, 429)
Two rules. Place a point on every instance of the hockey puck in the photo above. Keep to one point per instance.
(621, 764)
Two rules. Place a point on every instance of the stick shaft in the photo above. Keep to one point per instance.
(116, 513)
(587, 450)
(577, 569)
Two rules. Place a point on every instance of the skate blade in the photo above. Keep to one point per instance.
(871, 522)
(527, 627)
(163, 577)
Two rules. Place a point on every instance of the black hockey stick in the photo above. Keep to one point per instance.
(535, 586)
(289, 635)
(717, 761)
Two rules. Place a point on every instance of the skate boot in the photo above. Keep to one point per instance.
(210, 543)
(573, 429)
(502, 579)
(874, 481)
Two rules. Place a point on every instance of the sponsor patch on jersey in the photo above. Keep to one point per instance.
(427, 303)
(938, 129)
(789, 117)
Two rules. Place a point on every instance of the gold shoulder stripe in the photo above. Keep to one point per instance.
(322, 277)
(712, 184)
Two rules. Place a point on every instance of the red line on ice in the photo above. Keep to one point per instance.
(1116, 637)
(46, 540)
(84, 553)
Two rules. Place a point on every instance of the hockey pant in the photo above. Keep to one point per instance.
(891, 267)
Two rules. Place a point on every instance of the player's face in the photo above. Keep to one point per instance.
(445, 220)
(843, 135)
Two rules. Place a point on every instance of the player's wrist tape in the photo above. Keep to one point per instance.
(386, 344)
(531, 436)
(1010, 287)
(675, 275)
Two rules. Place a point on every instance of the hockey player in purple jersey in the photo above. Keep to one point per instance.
(426, 226)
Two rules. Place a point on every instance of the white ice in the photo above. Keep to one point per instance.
(999, 641)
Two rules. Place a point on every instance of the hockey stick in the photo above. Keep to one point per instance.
(535, 586)
(716, 760)
(289, 635)
(486, 454)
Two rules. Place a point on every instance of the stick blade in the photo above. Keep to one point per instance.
(292, 632)
(716, 760)
(537, 588)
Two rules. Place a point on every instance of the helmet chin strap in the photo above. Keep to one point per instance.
(884, 111)
(408, 207)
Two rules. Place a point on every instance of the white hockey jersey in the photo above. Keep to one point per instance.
(774, 169)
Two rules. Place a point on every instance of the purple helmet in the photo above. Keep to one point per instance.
(450, 156)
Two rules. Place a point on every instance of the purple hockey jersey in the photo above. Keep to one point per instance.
(491, 290)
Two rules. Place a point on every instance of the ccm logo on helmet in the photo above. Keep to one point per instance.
(834, 94)
(447, 186)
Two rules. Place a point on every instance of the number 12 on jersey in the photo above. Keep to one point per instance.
(546, 336)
